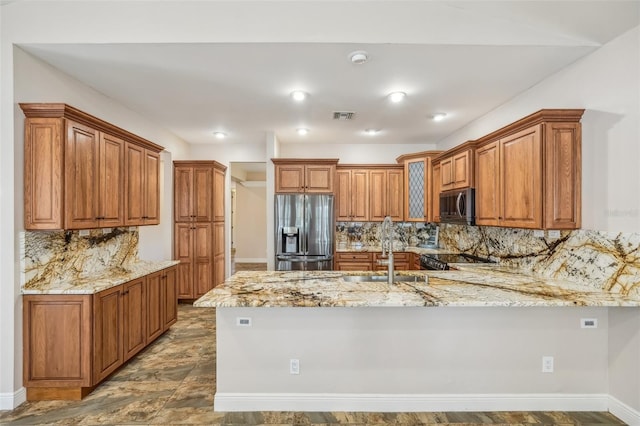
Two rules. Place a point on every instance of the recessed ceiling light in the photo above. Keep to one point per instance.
(397, 96)
(302, 131)
(438, 116)
(299, 95)
(359, 57)
(371, 132)
(219, 135)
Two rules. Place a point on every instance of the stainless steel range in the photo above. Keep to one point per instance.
(440, 262)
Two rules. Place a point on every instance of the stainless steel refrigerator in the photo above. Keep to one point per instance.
(304, 232)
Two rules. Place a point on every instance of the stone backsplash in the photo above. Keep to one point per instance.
(601, 260)
(353, 235)
(65, 255)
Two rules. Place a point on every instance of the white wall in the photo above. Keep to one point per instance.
(399, 351)
(251, 223)
(607, 84)
(353, 153)
(624, 356)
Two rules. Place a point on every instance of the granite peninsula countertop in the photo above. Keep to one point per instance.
(473, 286)
(96, 282)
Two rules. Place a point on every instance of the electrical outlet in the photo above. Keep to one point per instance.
(553, 233)
(547, 364)
(83, 233)
(243, 321)
(588, 323)
(538, 233)
(294, 366)
(106, 230)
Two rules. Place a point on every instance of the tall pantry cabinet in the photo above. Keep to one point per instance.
(198, 226)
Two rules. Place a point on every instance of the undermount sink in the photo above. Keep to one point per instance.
(382, 278)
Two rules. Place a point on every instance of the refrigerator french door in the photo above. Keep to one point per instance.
(304, 232)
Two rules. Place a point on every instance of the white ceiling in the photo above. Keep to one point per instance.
(470, 57)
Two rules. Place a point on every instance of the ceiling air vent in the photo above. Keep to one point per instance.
(343, 115)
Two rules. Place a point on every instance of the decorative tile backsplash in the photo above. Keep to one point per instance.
(600, 260)
(65, 255)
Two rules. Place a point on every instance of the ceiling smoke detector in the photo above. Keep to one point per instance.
(359, 57)
(343, 115)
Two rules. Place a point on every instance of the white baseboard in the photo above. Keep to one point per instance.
(10, 400)
(408, 403)
(624, 412)
(250, 260)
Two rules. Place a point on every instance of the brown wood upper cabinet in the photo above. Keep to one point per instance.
(142, 186)
(418, 199)
(386, 193)
(77, 170)
(310, 176)
(435, 192)
(456, 167)
(352, 194)
(528, 174)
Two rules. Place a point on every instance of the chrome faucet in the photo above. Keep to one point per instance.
(386, 236)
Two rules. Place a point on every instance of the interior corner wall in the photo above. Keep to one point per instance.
(624, 356)
(605, 83)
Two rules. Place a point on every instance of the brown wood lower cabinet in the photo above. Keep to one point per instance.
(368, 261)
(73, 342)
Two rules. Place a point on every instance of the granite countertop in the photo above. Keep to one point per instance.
(396, 248)
(474, 286)
(94, 283)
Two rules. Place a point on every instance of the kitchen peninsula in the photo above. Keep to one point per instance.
(468, 339)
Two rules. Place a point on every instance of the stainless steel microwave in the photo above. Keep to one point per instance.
(458, 206)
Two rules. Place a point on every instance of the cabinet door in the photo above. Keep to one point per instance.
(377, 195)
(446, 174)
(203, 194)
(183, 251)
(487, 184)
(360, 195)
(395, 194)
(289, 178)
(203, 258)
(521, 179)
(134, 161)
(435, 193)
(170, 295)
(111, 181)
(562, 171)
(462, 166)
(43, 173)
(352, 194)
(218, 253)
(343, 196)
(319, 178)
(415, 207)
(81, 176)
(183, 194)
(155, 305)
(134, 311)
(218, 195)
(151, 214)
(57, 340)
(107, 332)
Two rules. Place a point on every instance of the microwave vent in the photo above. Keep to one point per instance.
(343, 115)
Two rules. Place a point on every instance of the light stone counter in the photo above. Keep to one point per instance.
(474, 286)
(96, 282)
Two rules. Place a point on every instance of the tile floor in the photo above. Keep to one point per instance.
(172, 382)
